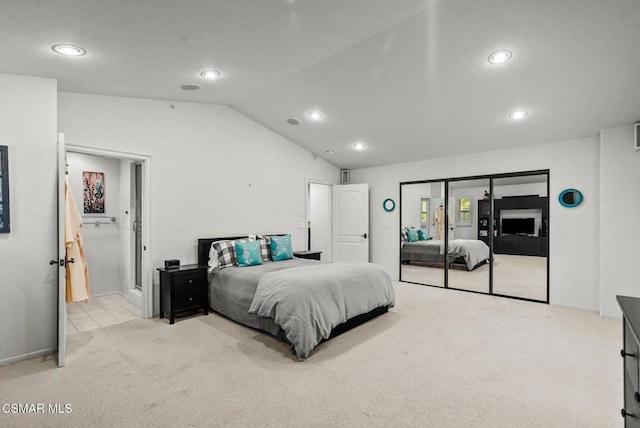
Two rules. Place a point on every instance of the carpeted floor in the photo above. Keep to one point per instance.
(441, 358)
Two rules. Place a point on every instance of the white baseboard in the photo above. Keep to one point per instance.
(615, 316)
(28, 356)
(572, 306)
(111, 293)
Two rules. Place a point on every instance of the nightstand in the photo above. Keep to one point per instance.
(308, 254)
(182, 289)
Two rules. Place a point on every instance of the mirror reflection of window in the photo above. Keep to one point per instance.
(463, 211)
(424, 212)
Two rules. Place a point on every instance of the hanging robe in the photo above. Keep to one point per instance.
(438, 218)
(77, 272)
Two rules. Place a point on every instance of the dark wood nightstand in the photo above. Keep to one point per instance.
(183, 288)
(308, 254)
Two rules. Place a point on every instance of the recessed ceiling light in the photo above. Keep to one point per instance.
(520, 114)
(500, 57)
(359, 146)
(190, 87)
(293, 121)
(68, 50)
(316, 115)
(330, 152)
(210, 74)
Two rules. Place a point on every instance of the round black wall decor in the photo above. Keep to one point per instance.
(389, 205)
(570, 198)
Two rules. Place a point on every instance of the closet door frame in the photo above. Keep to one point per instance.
(491, 178)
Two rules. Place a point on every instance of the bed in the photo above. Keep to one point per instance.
(467, 254)
(299, 301)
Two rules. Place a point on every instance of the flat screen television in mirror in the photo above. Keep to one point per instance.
(518, 226)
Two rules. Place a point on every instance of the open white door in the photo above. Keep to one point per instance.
(351, 223)
(62, 271)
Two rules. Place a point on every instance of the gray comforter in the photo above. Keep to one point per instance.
(308, 302)
(473, 251)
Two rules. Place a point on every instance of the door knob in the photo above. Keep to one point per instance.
(364, 235)
(71, 260)
(53, 262)
(625, 354)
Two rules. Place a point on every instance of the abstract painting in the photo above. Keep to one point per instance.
(93, 184)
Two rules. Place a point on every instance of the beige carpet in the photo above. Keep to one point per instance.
(441, 358)
(518, 276)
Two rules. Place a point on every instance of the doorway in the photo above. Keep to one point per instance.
(116, 237)
(319, 209)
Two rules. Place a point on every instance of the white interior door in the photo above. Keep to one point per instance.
(351, 223)
(60, 262)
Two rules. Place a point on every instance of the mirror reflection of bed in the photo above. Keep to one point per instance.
(519, 204)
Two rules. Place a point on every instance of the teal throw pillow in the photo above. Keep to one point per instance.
(281, 248)
(423, 235)
(412, 234)
(248, 253)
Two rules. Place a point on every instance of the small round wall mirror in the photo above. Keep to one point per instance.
(570, 198)
(389, 205)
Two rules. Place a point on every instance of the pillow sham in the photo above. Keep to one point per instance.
(423, 235)
(226, 253)
(213, 256)
(281, 247)
(248, 253)
(412, 234)
(265, 247)
(403, 234)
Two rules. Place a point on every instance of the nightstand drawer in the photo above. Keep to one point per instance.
(188, 280)
(190, 299)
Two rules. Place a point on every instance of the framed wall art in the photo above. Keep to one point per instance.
(94, 189)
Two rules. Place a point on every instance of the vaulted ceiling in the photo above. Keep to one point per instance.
(409, 79)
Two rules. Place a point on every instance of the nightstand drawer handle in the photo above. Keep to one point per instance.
(191, 300)
(190, 281)
(624, 354)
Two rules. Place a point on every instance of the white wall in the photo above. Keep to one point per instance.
(102, 244)
(28, 284)
(620, 224)
(215, 171)
(574, 246)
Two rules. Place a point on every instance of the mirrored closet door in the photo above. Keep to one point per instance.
(468, 242)
(521, 243)
(422, 228)
(495, 229)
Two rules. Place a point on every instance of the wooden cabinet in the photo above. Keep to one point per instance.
(484, 219)
(631, 348)
(515, 244)
(183, 289)
(308, 254)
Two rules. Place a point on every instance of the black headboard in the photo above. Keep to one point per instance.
(204, 244)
